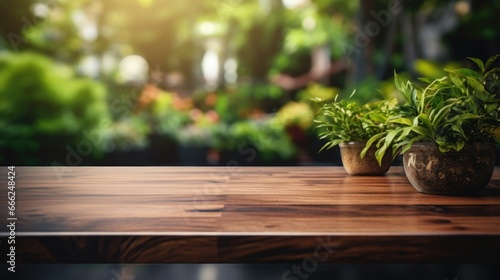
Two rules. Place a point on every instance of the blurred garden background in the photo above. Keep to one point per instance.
(211, 82)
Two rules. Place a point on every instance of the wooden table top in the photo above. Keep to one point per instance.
(283, 208)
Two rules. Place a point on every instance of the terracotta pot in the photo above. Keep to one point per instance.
(368, 165)
(465, 172)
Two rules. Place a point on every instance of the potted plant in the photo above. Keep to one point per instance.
(445, 130)
(350, 125)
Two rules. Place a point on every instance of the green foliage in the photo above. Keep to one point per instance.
(267, 136)
(346, 121)
(432, 69)
(45, 108)
(296, 114)
(165, 119)
(259, 91)
(317, 24)
(365, 92)
(451, 111)
(127, 134)
(236, 104)
(187, 126)
(314, 91)
(197, 136)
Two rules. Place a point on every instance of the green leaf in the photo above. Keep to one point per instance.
(437, 100)
(466, 72)
(403, 121)
(415, 122)
(479, 63)
(456, 80)
(377, 117)
(400, 86)
(391, 134)
(443, 149)
(423, 103)
(379, 154)
(463, 117)
(458, 129)
(446, 146)
(436, 120)
(330, 144)
(491, 72)
(491, 60)
(370, 142)
(475, 84)
(414, 96)
(406, 131)
(389, 137)
(352, 94)
(420, 130)
(425, 120)
(411, 142)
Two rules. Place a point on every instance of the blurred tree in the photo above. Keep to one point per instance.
(264, 36)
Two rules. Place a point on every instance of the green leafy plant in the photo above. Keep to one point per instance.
(165, 118)
(46, 109)
(315, 91)
(267, 136)
(347, 121)
(458, 108)
(127, 134)
(298, 114)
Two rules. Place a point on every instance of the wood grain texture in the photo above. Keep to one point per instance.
(245, 214)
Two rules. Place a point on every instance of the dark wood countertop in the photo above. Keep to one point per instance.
(244, 214)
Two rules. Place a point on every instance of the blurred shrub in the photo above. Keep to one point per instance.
(45, 111)
(247, 101)
(314, 91)
(127, 134)
(433, 70)
(368, 90)
(296, 114)
(169, 113)
(264, 140)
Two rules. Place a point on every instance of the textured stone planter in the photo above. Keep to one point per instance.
(465, 172)
(368, 165)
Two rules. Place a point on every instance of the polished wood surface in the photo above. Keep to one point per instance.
(245, 214)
